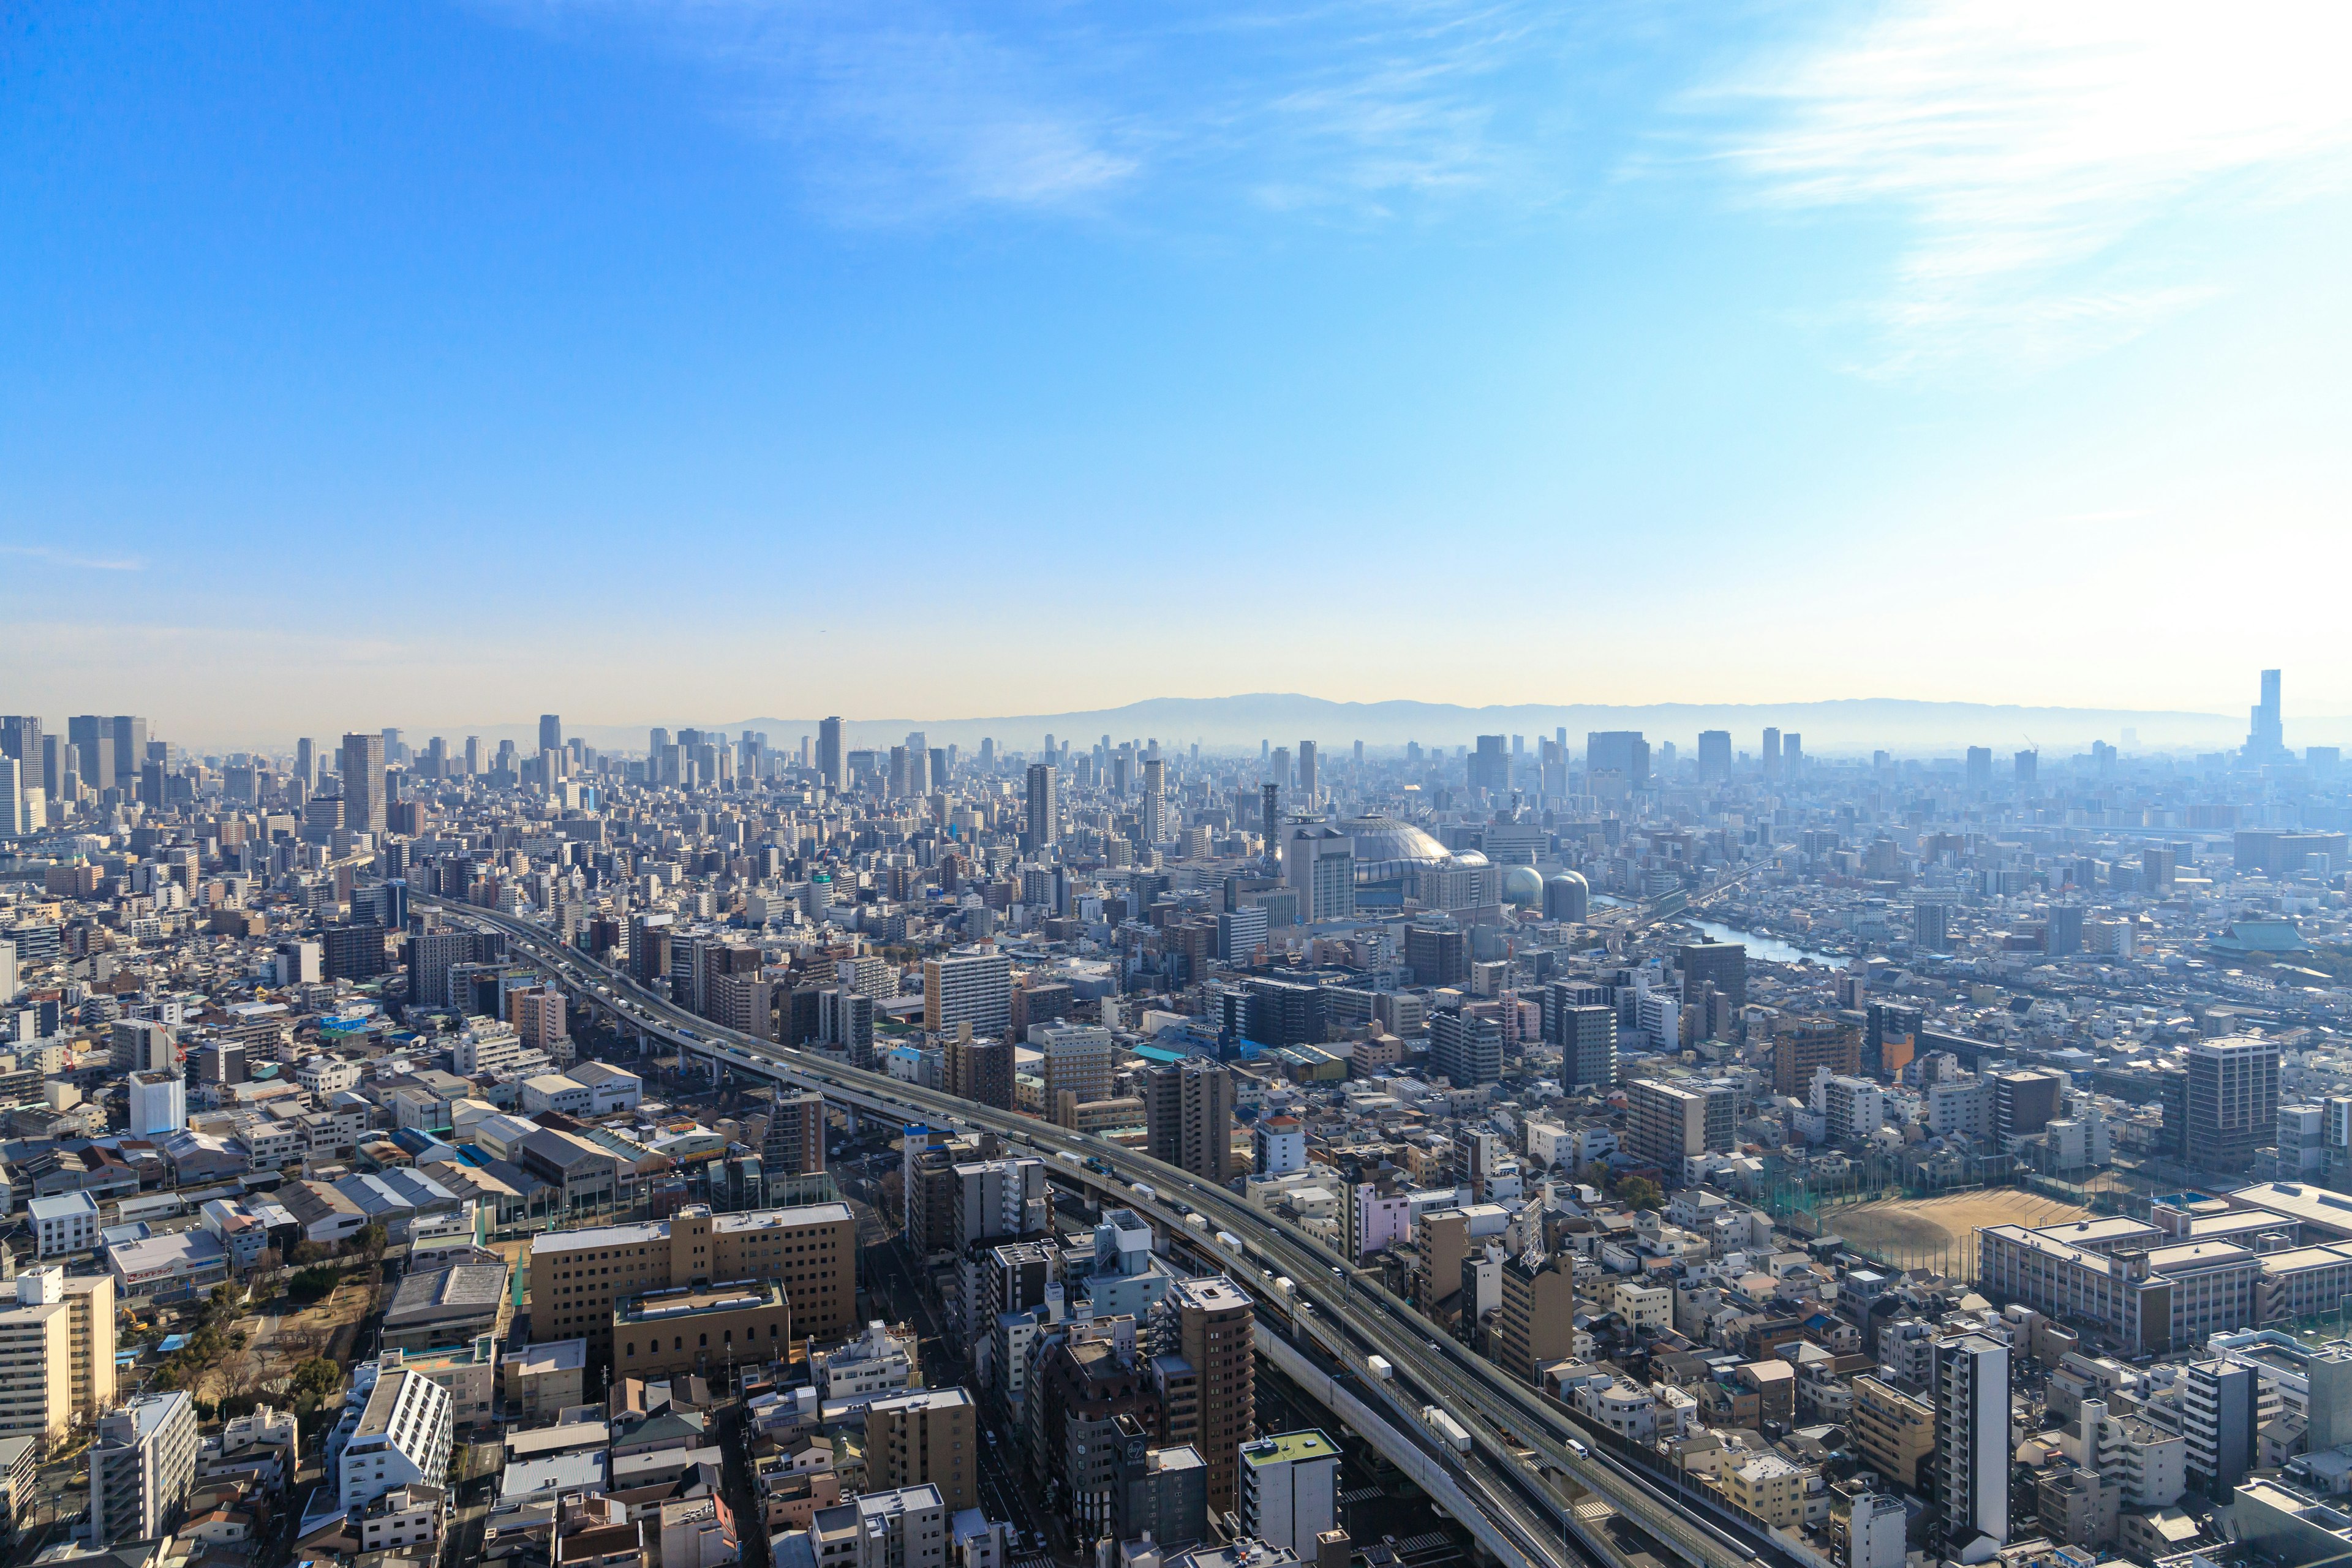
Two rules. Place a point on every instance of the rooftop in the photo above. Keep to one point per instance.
(1288, 1448)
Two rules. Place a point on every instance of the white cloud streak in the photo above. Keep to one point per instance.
(50, 557)
(910, 111)
(2028, 144)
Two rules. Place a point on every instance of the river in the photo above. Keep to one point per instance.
(1770, 948)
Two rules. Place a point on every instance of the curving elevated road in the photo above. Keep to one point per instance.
(1524, 1440)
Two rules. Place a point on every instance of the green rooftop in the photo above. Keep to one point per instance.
(1289, 1447)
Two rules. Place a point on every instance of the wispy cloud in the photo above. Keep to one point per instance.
(50, 557)
(909, 109)
(2029, 145)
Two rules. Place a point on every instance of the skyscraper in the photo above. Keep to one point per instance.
(550, 732)
(1714, 754)
(829, 754)
(1618, 752)
(1042, 824)
(1971, 1389)
(2029, 769)
(1771, 757)
(361, 763)
(1979, 767)
(93, 742)
(2266, 736)
(305, 762)
(1307, 787)
(129, 748)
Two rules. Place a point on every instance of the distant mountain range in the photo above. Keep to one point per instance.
(1846, 727)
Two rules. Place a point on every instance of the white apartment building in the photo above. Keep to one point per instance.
(403, 1439)
(141, 1466)
(64, 1224)
(1289, 1490)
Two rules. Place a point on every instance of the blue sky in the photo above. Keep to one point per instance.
(443, 364)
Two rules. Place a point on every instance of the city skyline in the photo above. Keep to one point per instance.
(1685, 357)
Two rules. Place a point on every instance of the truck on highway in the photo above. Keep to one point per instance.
(1073, 1159)
(1229, 1241)
(1196, 1221)
(1283, 1286)
(1449, 1431)
(1378, 1367)
(1148, 1195)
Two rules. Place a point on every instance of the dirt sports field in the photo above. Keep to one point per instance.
(1940, 1233)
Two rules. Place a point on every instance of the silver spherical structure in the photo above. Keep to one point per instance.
(1523, 885)
(1567, 896)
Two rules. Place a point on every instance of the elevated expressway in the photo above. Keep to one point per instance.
(1529, 1460)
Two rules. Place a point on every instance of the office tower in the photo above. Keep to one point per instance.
(1807, 1044)
(1666, 1123)
(1890, 1037)
(305, 762)
(1979, 767)
(1490, 765)
(1618, 752)
(1155, 800)
(1359, 754)
(974, 988)
(1929, 929)
(129, 736)
(2217, 1417)
(829, 754)
(1270, 816)
(1290, 1490)
(1972, 1455)
(1587, 1037)
(21, 738)
(550, 732)
(1209, 1322)
(2266, 736)
(361, 763)
(1042, 821)
(15, 800)
(929, 1437)
(1723, 964)
(1714, 754)
(2232, 1105)
(1771, 752)
(1188, 1109)
(980, 1070)
(1320, 864)
(1307, 789)
(845, 1020)
(142, 1465)
(1793, 753)
(2029, 769)
(1467, 1051)
(93, 743)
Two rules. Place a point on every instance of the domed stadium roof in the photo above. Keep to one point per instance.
(1386, 846)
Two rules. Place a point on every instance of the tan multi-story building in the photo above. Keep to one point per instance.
(1769, 1489)
(930, 1435)
(708, 1329)
(1894, 1430)
(578, 1277)
(1079, 1059)
(57, 1352)
(1188, 1118)
(1537, 1316)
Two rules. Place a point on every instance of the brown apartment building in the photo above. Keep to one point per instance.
(578, 1277)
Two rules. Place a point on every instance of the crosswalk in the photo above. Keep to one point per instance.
(1039, 1562)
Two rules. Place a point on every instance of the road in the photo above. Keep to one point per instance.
(1524, 1433)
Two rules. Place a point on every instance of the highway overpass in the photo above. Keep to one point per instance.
(1528, 1450)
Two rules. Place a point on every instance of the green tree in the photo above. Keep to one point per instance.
(1595, 1175)
(1639, 1193)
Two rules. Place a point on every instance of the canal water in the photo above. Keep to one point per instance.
(1770, 948)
